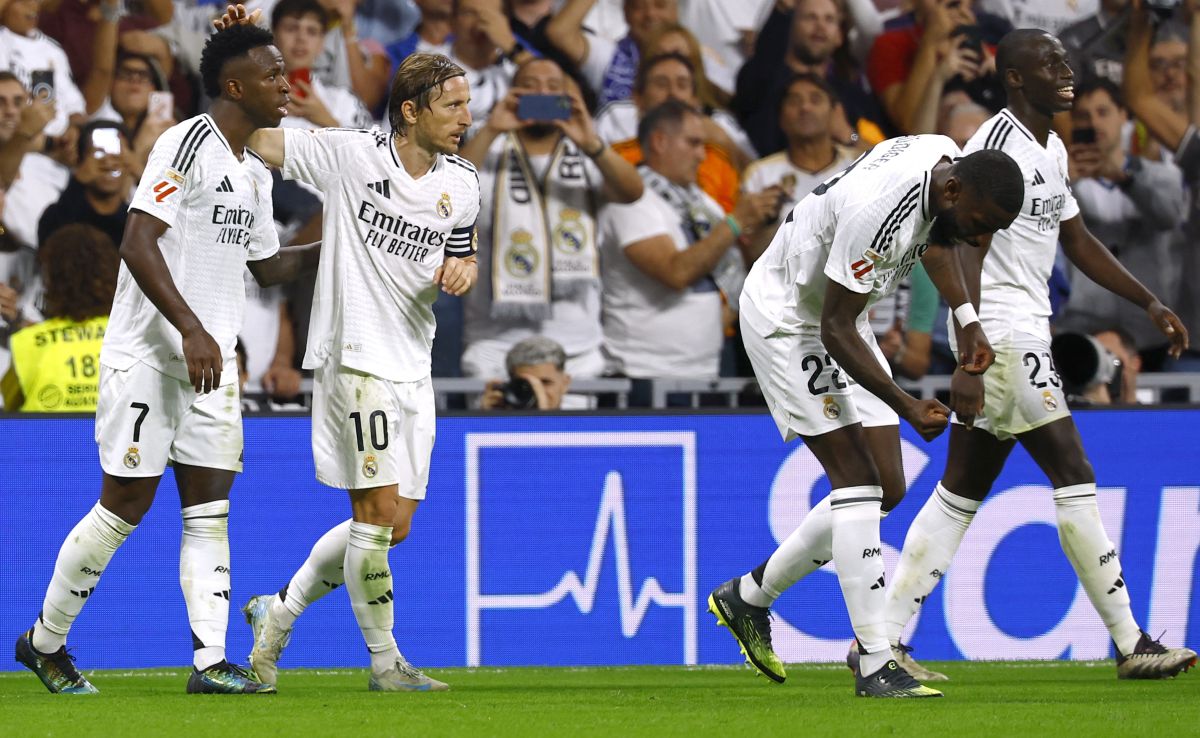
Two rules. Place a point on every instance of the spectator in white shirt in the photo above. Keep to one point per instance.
(26, 51)
(299, 27)
(664, 255)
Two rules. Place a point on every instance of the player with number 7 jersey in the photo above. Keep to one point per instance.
(168, 383)
(399, 224)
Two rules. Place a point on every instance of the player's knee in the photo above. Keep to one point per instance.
(1073, 469)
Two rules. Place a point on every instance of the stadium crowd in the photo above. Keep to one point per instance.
(624, 234)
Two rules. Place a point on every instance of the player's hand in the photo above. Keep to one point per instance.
(966, 396)
(927, 417)
(1168, 322)
(456, 276)
(236, 15)
(281, 381)
(976, 354)
(203, 357)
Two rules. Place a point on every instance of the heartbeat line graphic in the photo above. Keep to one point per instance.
(611, 518)
(610, 525)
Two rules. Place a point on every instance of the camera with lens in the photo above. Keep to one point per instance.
(518, 394)
(1084, 364)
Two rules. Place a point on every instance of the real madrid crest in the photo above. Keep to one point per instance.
(132, 458)
(832, 409)
(569, 235)
(521, 258)
(1048, 401)
(370, 467)
(443, 206)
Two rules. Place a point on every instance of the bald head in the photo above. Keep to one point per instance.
(1020, 48)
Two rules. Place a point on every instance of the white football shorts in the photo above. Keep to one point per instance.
(806, 391)
(145, 418)
(371, 432)
(1022, 390)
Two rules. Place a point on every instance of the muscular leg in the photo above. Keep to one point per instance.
(204, 558)
(884, 444)
(855, 504)
(975, 459)
(368, 576)
(1058, 450)
(85, 554)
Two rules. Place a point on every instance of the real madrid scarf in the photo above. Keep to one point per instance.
(730, 272)
(543, 232)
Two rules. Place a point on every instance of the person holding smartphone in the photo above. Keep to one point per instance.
(299, 27)
(139, 101)
(540, 140)
(98, 191)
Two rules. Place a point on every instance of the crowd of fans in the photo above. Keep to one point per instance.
(605, 234)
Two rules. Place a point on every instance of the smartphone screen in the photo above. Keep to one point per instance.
(41, 84)
(303, 75)
(161, 106)
(1083, 135)
(106, 141)
(544, 107)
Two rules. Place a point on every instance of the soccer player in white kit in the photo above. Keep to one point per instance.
(1021, 396)
(400, 213)
(168, 379)
(804, 322)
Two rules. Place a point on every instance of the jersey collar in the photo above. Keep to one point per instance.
(217, 130)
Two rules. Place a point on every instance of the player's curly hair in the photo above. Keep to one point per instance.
(223, 47)
(79, 268)
(417, 78)
(994, 175)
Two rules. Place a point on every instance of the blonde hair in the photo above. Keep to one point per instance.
(707, 93)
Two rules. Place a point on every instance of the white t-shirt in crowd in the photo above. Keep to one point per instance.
(865, 229)
(24, 55)
(40, 181)
(218, 210)
(651, 330)
(1051, 16)
(1014, 293)
(718, 26)
(342, 104)
(384, 236)
(574, 320)
(778, 169)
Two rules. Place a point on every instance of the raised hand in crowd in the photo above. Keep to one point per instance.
(580, 127)
(236, 15)
(753, 211)
(306, 104)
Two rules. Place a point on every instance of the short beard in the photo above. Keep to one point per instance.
(806, 57)
(539, 131)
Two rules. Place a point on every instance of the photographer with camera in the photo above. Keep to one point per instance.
(537, 378)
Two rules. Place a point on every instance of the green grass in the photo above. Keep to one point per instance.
(1065, 700)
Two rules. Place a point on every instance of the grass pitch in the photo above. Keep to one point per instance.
(985, 699)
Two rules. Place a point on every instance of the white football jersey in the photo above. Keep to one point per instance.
(1017, 269)
(219, 214)
(384, 236)
(864, 228)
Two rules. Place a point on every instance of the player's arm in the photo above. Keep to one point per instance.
(140, 252)
(964, 263)
(268, 143)
(1097, 262)
(288, 263)
(839, 334)
(955, 271)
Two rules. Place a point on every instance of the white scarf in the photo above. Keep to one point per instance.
(698, 220)
(531, 216)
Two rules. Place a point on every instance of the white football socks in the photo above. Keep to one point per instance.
(321, 573)
(858, 556)
(369, 582)
(808, 548)
(1094, 558)
(204, 578)
(932, 540)
(81, 560)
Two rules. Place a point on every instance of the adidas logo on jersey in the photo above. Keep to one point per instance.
(383, 187)
(225, 186)
(1038, 179)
